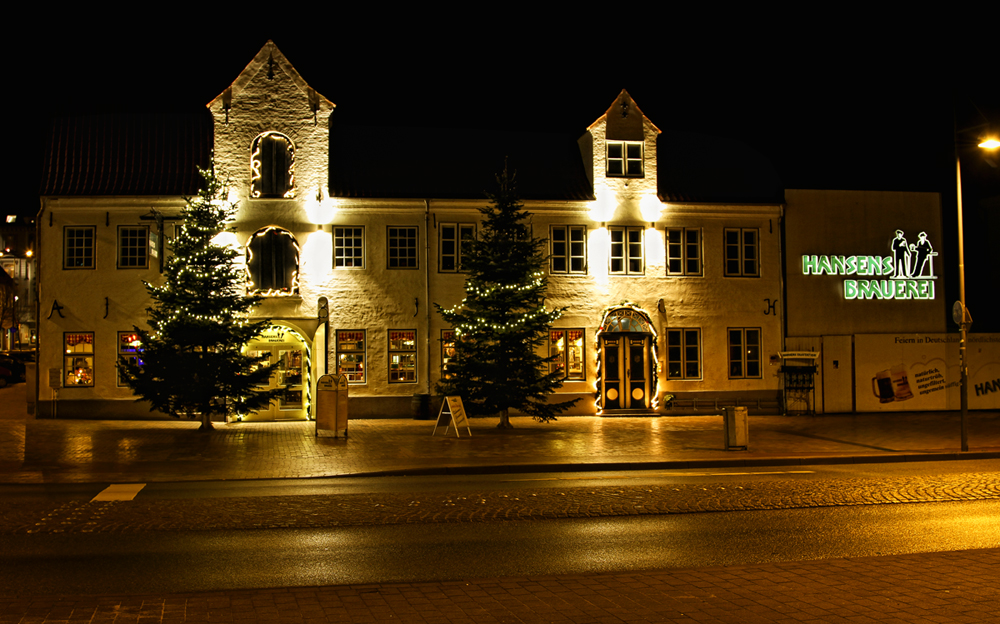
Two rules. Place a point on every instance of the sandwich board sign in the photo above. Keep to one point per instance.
(452, 413)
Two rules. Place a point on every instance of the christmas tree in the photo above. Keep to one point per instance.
(502, 323)
(191, 363)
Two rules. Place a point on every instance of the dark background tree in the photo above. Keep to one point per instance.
(502, 322)
(192, 362)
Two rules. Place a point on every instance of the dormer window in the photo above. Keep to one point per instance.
(272, 166)
(625, 159)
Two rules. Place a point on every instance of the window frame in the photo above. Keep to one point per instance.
(625, 161)
(744, 349)
(410, 371)
(360, 234)
(447, 342)
(68, 356)
(412, 263)
(684, 351)
(92, 247)
(567, 256)
(737, 252)
(123, 353)
(459, 240)
(361, 372)
(684, 247)
(564, 350)
(122, 247)
(626, 257)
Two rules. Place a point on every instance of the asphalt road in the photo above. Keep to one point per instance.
(51, 563)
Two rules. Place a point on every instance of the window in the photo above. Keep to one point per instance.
(132, 247)
(447, 349)
(129, 349)
(568, 249)
(454, 240)
(78, 359)
(741, 252)
(272, 257)
(78, 250)
(683, 251)
(568, 348)
(684, 353)
(351, 355)
(272, 166)
(744, 353)
(402, 247)
(626, 250)
(349, 247)
(402, 356)
(625, 159)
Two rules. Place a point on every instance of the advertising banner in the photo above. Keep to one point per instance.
(917, 372)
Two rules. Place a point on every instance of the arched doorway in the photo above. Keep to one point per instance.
(628, 364)
(291, 352)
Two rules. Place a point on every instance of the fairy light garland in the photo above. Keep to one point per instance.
(646, 320)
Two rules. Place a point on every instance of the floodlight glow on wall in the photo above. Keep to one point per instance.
(604, 207)
(320, 208)
(651, 208)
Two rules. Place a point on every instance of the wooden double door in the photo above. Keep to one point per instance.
(626, 371)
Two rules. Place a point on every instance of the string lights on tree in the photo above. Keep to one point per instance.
(192, 362)
(502, 323)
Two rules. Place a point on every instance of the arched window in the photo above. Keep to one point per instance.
(272, 166)
(626, 320)
(273, 262)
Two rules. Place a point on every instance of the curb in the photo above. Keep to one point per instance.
(680, 464)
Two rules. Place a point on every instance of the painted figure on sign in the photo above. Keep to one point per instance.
(900, 256)
(923, 251)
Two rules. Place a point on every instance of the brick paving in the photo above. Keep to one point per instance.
(926, 588)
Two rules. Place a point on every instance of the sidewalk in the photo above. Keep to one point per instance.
(926, 588)
(52, 451)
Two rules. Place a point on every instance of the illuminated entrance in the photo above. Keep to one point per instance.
(627, 370)
(286, 347)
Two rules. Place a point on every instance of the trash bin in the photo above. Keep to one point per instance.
(734, 427)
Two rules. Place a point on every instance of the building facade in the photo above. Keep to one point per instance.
(673, 289)
(865, 294)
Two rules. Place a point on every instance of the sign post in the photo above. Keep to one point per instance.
(452, 414)
(331, 404)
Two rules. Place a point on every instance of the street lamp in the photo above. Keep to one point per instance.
(960, 313)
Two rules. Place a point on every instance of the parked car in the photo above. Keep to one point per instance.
(11, 371)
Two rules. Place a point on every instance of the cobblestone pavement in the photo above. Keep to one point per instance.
(317, 511)
(927, 588)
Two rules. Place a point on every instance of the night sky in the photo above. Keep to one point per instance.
(832, 104)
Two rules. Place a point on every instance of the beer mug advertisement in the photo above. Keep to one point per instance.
(910, 372)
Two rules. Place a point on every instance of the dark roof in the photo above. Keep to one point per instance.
(701, 168)
(126, 154)
(158, 154)
(453, 163)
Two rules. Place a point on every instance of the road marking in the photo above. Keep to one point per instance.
(119, 492)
(672, 474)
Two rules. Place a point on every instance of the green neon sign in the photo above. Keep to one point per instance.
(907, 274)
